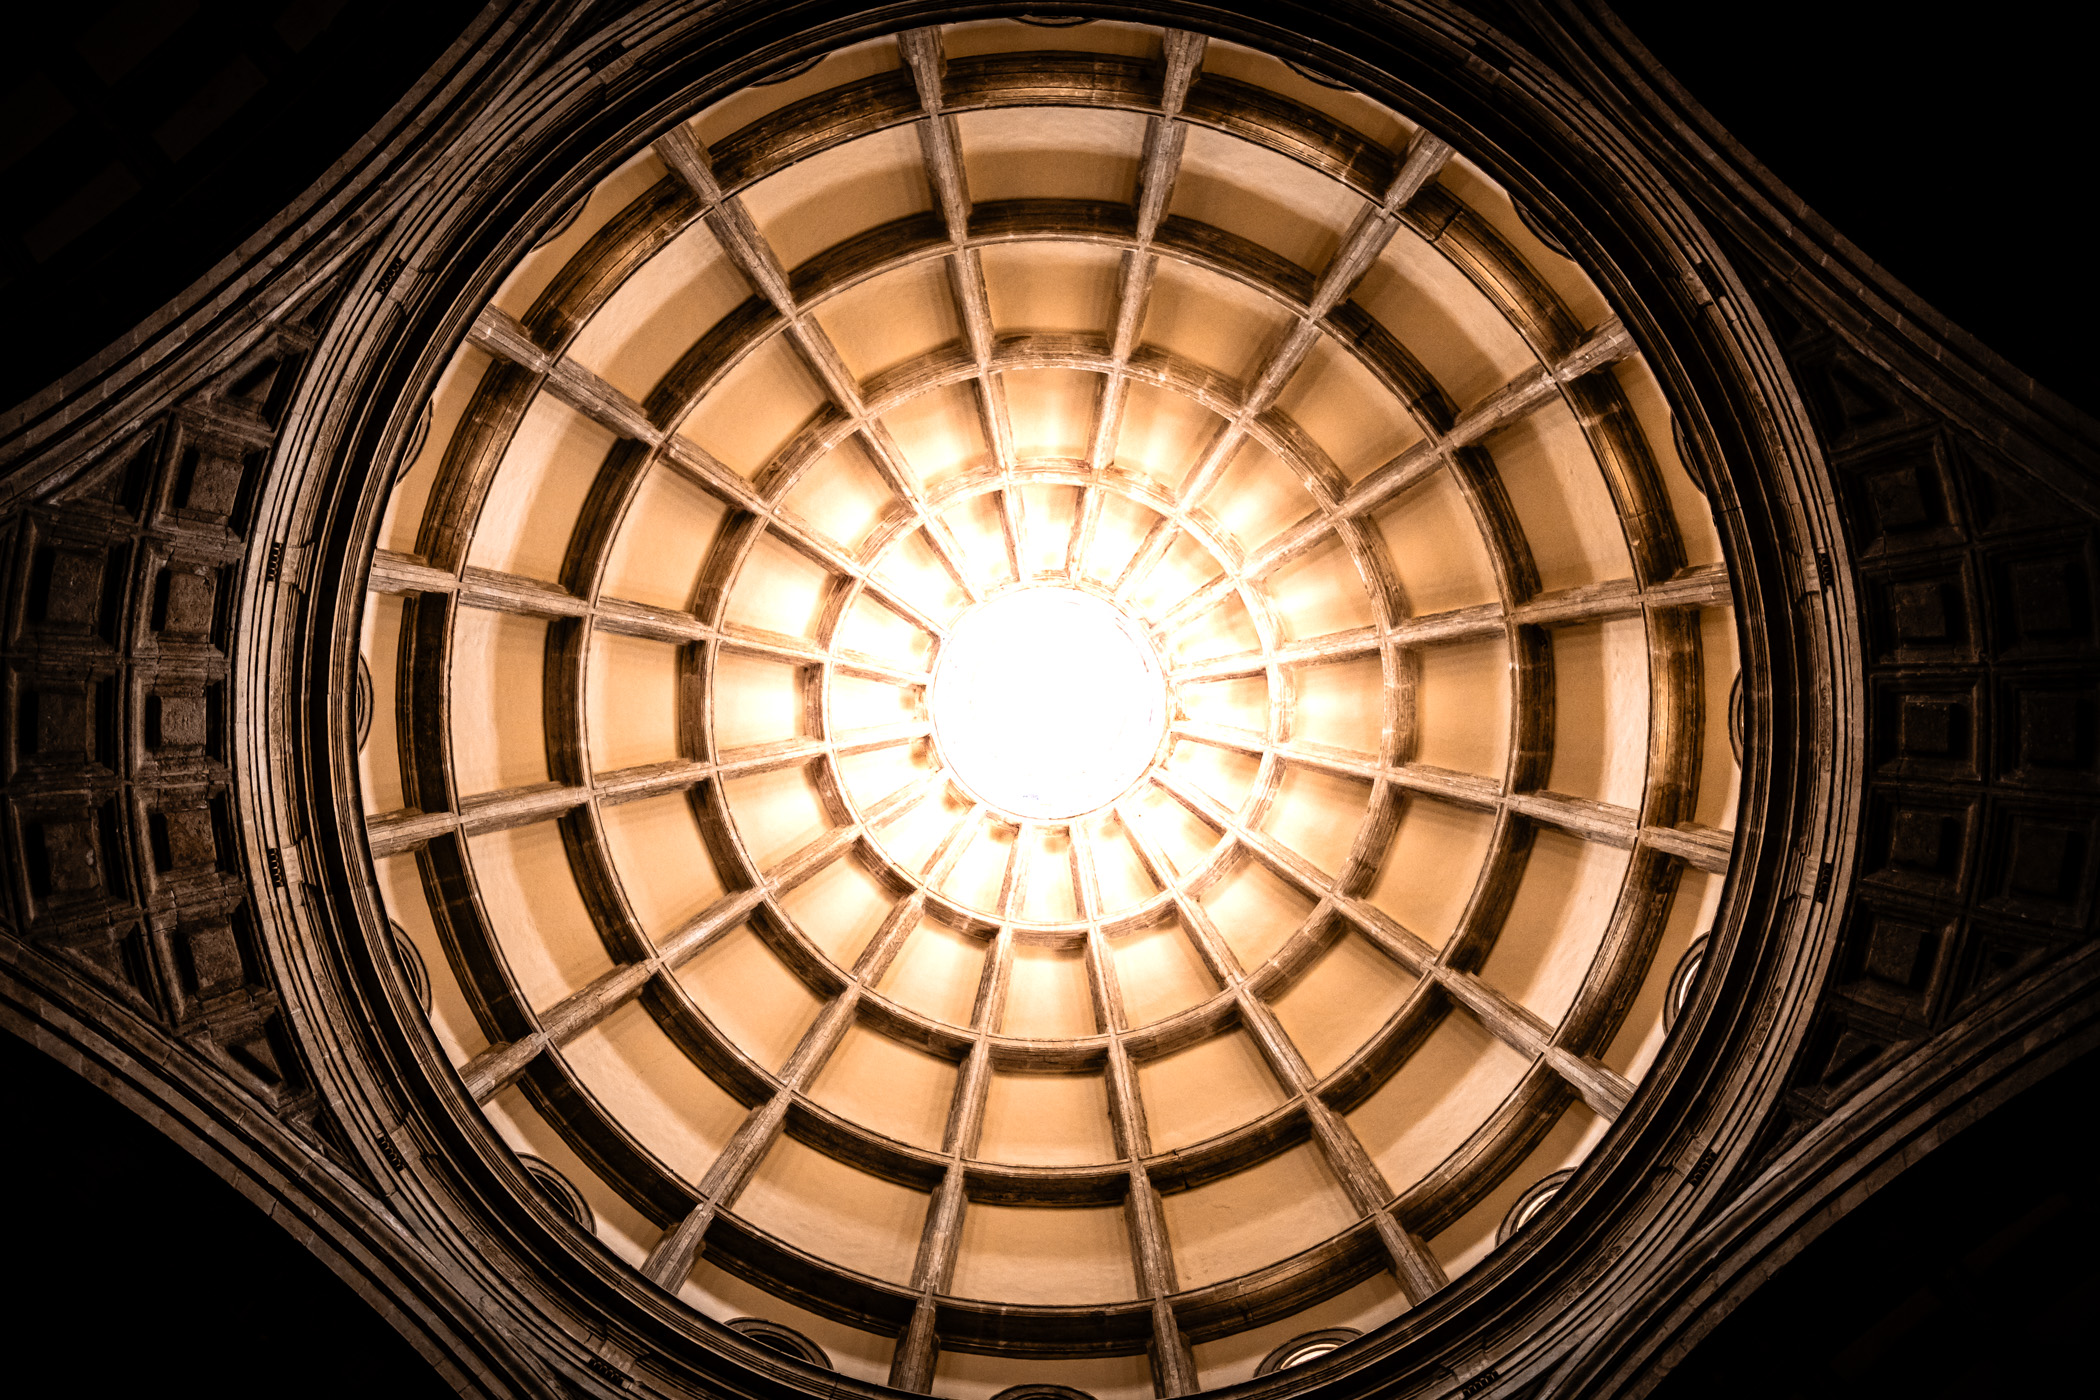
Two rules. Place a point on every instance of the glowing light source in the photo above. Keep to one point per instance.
(1048, 702)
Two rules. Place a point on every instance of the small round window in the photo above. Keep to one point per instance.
(1306, 1348)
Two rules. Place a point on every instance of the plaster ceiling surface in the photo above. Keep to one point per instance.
(1271, 1031)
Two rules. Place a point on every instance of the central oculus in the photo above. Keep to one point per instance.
(1048, 702)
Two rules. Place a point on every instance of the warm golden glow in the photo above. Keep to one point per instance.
(1046, 709)
(1048, 702)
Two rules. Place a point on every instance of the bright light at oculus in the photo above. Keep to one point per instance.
(1048, 702)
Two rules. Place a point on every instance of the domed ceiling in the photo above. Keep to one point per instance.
(1079, 708)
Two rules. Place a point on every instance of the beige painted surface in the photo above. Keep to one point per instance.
(1051, 897)
(1048, 997)
(1560, 499)
(531, 509)
(834, 1211)
(872, 776)
(817, 202)
(631, 701)
(1255, 912)
(1033, 1254)
(1640, 1037)
(536, 913)
(1242, 702)
(1186, 566)
(1695, 518)
(1585, 304)
(750, 104)
(379, 760)
(915, 572)
(1431, 867)
(1222, 773)
(498, 738)
(1232, 1359)
(1320, 592)
(962, 1376)
(938, 432)
(1175, 830)
(778, 813)
(1050, 286)
(661, 544)
(1050, 153)
(653, 1091)
(1159, 435)
(665, 870)
(757, 701)
(842, 495)
(937, 972)
(1211, 319)
(1559, 916)
(1720, 778)
(614, 193)
(881, 631)
(411, 493)
(1341, 1001)
(1046, 526)
(1347, 411)
(980, 875)
(912, 837)
(1444, 1091)
(1271, 199)
(750, 995)
(1047, 1120)
(884, 321)
(756, 407)
(1124, 880)
(1256, 496)
(721, 1295)
(620, 1225)
(1352, 109)
(660, 311)
(1317, 814)
(1443, 319)
(1202, 1091)
(1225, 629)
(1052, 410)
(1265, 1213)
(451, 1018)
(1600, 710)
(839, 907)
(978, 527)
(1462, 706)
(1124, 523)
(1341, 705)
(1468, 1240)
(1160, 973)
(881, 1084)
(1436, 548)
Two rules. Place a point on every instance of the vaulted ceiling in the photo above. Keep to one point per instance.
(1270, 1040)
(507, 756)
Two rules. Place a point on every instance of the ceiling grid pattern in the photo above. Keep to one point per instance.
(1183, 851)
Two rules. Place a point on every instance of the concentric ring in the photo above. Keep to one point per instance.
(1379, 938)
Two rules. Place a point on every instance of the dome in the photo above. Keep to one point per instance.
(1049, 705)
